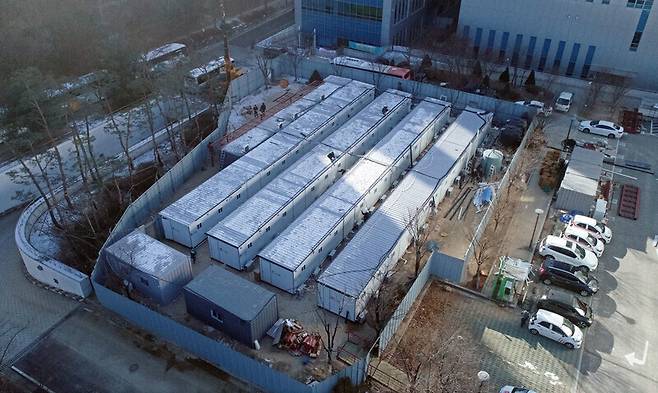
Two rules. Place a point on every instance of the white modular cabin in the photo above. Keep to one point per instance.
(152, 268)
(257, 135)
(291, 258)
(347, 284)
(240, 236)
(187, 220)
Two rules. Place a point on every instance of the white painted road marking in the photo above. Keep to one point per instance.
(632, 360)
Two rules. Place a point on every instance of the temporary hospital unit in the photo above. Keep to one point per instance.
(580, 184)
(187, 220)
(349, 281)
(270, 126)
(240, 236)
(291, 257)
(240, 308)
(152, 268)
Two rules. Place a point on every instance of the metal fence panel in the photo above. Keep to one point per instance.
(447, 267)
(216, 352)
(407, 302)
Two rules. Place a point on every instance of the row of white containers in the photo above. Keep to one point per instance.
(352, 278)
(289, 260)
(187, 219)
(240, 236)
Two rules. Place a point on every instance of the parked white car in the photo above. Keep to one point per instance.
(563, 102)
(564, 250)
(601, 127)
(557, 328)
(591, 225)
(584, 239)
(538, 105)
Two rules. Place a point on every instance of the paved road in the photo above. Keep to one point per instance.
(621, 348)
(24, 307)
(620, 352)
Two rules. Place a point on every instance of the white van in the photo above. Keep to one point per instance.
(563, 102)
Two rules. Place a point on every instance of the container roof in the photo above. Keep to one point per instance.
(586, 163)
(253, 215)
(360, 260)
(147, 254)
(302, 237)
(198, 202)
(231, 292)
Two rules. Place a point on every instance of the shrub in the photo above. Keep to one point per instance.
(504, 76)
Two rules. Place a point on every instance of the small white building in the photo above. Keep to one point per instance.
(239, 237)
(187, 220)
(152, 268)
(291, 258)
(348, 283)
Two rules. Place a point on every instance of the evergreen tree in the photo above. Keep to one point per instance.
(530, 81)
(504, 76)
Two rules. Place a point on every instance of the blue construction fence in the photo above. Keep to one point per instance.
(218, 353)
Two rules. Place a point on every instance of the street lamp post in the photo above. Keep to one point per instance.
(538, 212)
(483, 377)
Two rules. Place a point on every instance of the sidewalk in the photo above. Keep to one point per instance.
(520, 229)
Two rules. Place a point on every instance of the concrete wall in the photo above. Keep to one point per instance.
(41, 267)
(607, 27)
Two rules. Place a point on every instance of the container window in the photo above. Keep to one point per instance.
(40, 268)
(249, 245)
(220, 210)
(198, 226)
(285, 213)
(55, 280)
(267, 229)
(238, 197)
(216, 316)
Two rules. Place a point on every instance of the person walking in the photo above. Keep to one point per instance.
(262, 110)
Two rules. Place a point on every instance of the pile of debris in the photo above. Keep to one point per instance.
(289, 335)
(549, 175)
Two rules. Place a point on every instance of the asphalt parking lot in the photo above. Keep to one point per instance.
(619, 352)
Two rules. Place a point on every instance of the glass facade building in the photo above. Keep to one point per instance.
(373, 22)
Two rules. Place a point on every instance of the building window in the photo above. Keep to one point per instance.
(216, 316)
(517, 49)
(558, 56)
(572, 60)
(646, 4)
(588, 61)
(198, 226)
(544, 54)
(144, 281)
(605, 2)
(641, 24)
(358, 11)
(530, 52)
(503, 46)
(478, 39)
(491, 40)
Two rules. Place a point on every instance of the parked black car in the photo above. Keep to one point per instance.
(568, 276)
(567, 305)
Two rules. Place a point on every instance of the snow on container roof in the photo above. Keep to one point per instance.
(355, 266)
(208, 194)
(349, 189)
(251, 139)
(213, 191)
(247, 219)
(163, 50)
(243, 219)
(231, 292)
(293, 245)
(147, 254)
(371, 115)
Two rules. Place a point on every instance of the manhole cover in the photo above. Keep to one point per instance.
(133, 367)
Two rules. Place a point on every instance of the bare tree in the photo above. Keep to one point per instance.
(620, 88)
(331, 323)
(383, 298)
(500, 210)
(593, 94)
(377, 74)
(483, 247)
(295, 58)
(264, 63)
(419, 235)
